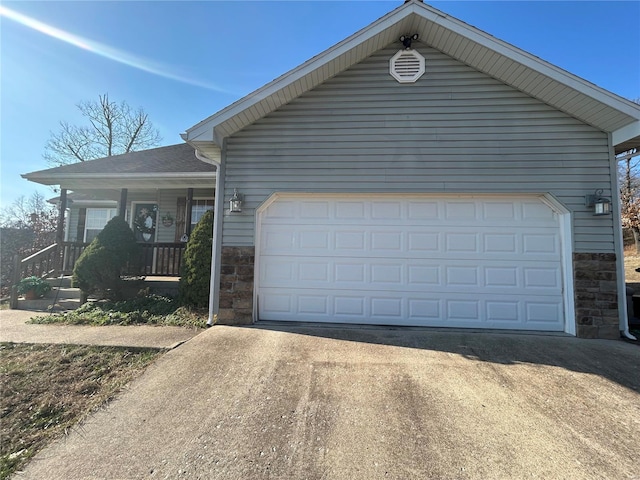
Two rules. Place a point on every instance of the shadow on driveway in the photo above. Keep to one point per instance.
(616, 360)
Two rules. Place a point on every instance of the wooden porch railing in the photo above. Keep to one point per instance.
(70, 253)
(40, 264)
(163, 259)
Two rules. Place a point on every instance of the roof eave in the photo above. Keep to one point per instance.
(128, 178)
(626, 138)
(218, 126)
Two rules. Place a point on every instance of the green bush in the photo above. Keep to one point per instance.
(148, 310)
(111, 254)
(196, 270)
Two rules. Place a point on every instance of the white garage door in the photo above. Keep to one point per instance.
(464, 261)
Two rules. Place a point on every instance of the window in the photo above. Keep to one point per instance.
(96, 219)
(198, 208)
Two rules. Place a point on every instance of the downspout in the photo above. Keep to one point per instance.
(617, 232)
(217, 219)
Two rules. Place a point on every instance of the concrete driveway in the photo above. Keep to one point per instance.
(294, 402)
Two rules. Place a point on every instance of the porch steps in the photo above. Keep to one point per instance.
(63, 297)
(57, 300)
(64, 282)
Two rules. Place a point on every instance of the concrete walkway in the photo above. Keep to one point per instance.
(13, 328)
(287, 402)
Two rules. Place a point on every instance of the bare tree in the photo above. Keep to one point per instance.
(112, 129)
(628, 163)
(26, 226)
(630, 195)
(32, 212)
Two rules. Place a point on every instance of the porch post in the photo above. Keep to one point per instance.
(60, 230)
(123, 203)
(188, 212)
(63, 209)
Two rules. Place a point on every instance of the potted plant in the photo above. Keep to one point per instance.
(33, 287)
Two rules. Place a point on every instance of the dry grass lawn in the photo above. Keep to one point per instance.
(46, 389)
(631, 262)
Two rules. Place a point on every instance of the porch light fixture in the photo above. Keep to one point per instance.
(235, 204)
(600, 204)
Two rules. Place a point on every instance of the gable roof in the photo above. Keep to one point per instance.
(575, 96)
(168, 164)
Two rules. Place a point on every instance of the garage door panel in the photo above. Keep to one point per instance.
(448, 212)
(465, 262)
(411, 275)
(413, 242)
(430, 309)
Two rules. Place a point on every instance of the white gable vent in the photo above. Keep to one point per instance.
(406, 66)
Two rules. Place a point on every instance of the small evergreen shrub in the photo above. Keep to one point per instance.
(196, 270)
(112, 253)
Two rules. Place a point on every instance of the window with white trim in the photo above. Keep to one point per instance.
(198, 209)
(96, 220)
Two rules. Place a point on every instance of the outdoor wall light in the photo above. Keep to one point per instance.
(235, 204)
(600, 204)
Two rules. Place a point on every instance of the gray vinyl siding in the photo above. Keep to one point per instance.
(456, 130)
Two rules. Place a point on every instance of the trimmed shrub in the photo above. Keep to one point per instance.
(112, 253)
(196, 270)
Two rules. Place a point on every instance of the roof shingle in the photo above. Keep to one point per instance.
(169, 159)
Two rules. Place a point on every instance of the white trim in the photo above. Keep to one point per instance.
(566, 238)
(564, 222)
(626, 133)
(54, 177)
(216, 242)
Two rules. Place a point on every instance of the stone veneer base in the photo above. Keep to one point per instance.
(596, 295)
(595, 286)
(236, 286)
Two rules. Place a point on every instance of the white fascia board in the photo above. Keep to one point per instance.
(92, 203)
(56, 178)
(626, 133)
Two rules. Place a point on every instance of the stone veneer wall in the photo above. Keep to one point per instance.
(596, 295)
(596, 291)
(236, 286)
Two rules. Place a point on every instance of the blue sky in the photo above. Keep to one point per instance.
(184, 61)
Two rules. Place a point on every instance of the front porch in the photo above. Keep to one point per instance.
(160, 274)
(158, 259)
(161, 193)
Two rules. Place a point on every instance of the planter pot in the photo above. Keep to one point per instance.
(30, 295)
(167, 223)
